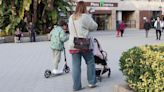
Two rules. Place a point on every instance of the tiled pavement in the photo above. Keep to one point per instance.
(22, 65)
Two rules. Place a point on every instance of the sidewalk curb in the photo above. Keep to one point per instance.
(24, 39)
(122, 88)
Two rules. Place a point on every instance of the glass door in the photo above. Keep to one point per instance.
(101, 21)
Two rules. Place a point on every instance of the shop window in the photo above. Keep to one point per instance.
(102, 21)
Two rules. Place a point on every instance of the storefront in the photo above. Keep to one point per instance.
(149, 15)
(102, 19)
(102, 15)
(132, 13)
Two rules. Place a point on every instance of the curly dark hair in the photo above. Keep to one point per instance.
(62, 23)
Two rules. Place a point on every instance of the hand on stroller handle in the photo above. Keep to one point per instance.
(102, 51)
(104, 54)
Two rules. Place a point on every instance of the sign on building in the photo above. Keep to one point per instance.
(101, 3)
(105, 4)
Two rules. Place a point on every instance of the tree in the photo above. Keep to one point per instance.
(12, 12)
(48, 13)
(43, 13)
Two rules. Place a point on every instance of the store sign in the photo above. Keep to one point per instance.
(97, 4)
(108, 5)
(101, 3)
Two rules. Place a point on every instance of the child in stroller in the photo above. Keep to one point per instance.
(100, 60)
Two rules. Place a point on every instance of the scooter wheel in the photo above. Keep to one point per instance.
(67, 70)
(47, 74)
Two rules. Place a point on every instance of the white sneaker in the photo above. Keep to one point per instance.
(55, 71)
(92, 86)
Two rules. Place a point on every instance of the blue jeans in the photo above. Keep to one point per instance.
(76, 64)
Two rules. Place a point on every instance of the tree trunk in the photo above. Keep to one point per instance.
(34, 15)
(50, 4)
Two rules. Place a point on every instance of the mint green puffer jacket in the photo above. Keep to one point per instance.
(58, 37)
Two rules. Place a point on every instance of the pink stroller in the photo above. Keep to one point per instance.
(100, 60)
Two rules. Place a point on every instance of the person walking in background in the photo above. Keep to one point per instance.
(32, 32)
(122, 27)
(57, 38)
(147, 26)
(152, 23)
(158, 26)
(80, 23)
(117, 28)
(18, 35)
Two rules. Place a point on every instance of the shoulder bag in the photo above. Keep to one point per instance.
(81, 43)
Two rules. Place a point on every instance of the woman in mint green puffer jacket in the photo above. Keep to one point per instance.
(57, 37)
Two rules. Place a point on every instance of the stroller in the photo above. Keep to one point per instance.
(100, 60)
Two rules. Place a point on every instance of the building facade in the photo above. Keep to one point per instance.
(132, 12)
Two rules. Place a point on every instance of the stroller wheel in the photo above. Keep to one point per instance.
(109, 73)
(47, 73)
(100, 79)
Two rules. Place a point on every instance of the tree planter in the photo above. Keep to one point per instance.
(1, 39)
(8, 39)
(122, 88)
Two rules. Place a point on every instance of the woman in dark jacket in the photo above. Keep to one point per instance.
(122, 27)
(147, 26)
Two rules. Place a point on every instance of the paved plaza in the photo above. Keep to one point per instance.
(22, 65)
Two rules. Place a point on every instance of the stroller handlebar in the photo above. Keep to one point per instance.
(104, 53)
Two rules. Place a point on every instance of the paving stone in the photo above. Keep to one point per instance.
(22, 65)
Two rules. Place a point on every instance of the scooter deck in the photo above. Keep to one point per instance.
(54, 75)
(49, 74)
